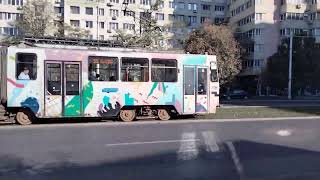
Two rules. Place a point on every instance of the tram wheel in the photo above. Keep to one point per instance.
(23, 118)
(163, 115)
(127, 115)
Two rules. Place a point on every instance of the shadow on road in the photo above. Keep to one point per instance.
(258, 161)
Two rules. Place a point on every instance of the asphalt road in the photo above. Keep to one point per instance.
(268, 103)
(197, 150)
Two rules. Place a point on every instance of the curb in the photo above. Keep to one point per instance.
(141, 123)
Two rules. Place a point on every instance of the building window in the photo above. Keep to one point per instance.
(192, 6)
(26, 67)
(12, 2)
(101, 25)
(145, 2)
(89, 10)
(9, 16)
(219, 8)
(114, 1)
(113, 26)
(218, 20)
(128, 26)
(159, 16)
(134, 69)
(129, 13)
(258, 16)
(161, 4)
(164, 70)
(101, 12)
(8, 31)
(89, 24)
(180, 5)
(114, 12)
(75, 23)
(203, 19)
(75, 9)
(180, 18)
(58, 10)
(206, 7)
(171, 4)
(129, 1)
(103, 68)
(258, 48)
(258, 62)
(101, 37)
(258, 1)
(192, 19)
(258, 31)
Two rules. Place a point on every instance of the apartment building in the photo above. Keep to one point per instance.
(256, 27)
(9, 12)
(260, 25)
(300, 17)
(105, 17)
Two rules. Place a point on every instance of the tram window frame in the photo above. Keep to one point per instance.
(164, 62)
(53, 79)
(144, 69)
(24, 62)
(108, 69)
(72, 79)
(214, 75)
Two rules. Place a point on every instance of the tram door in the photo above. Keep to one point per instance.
(62, 89)
(195, 89)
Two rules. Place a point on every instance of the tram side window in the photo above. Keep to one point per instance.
(164, 70)
(214, 75)
(134, 69)
(103, 68)
(26, 67)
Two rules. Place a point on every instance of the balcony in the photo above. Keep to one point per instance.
(297, 8)
(219, 13)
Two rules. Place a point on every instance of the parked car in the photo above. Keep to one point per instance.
(236, 94)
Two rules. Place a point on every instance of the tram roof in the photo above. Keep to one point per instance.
(85, 44)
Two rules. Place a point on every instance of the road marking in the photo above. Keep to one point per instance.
(152, 142)
(188, 149)
(210, 141)
(235, 159)
(284, 132)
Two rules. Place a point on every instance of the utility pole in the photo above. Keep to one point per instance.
(290, 67)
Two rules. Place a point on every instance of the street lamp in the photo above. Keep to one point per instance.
(290, 67)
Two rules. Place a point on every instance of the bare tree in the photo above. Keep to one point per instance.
(219, 41)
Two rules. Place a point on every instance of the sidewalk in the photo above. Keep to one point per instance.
(285, 98)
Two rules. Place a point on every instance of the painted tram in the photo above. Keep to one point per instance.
(59, 82)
